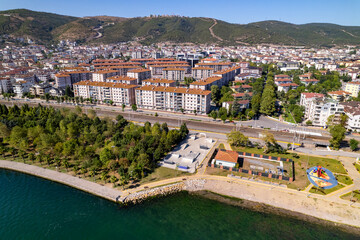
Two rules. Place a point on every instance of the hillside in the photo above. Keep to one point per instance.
(45, 27)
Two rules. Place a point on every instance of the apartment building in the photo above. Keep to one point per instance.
(352, 110)
(101, 76)
(77, 76)
(105, 92)
(140, 74)
(122, 79)
(340, 96)
(173, 99)
(285, 87)
(207, 83)
(321, 109)
(216, 66)
(39, 89)
(307, 98)
(308, 81)
(5, 85)
(176, 74)
(353, 88)
(281, 76)
(21, 87)
(199, 73)
(62, 80)
(159, 82)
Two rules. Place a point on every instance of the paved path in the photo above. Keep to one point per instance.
(84, 185)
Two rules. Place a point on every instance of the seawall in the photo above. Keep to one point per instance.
(75, 182)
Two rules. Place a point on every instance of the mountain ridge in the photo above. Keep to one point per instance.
(47, 27)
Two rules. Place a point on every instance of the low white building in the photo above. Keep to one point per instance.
(352, 110)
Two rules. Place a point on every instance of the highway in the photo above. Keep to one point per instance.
(176, 121)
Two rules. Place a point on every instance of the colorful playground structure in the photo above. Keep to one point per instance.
(321, 177)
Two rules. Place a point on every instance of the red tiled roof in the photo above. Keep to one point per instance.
(227, 156)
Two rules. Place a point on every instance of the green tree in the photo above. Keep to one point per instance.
(237, 139)
(122, 107)
(267, 106)
(134, 107)
(214, 114)
(223, 114)
(337, 133)
(354, 144)
(215, 94)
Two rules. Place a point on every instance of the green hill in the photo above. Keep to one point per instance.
(45, 27)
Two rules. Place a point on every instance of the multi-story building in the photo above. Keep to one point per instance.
(353, 88)
(5, 85)
(106, 92)
(285, 87)
(173, 99)
(101, 76)
(159, 82)
(207, 83)
(199, 73)
(77, 76)
(140, 74)
(122, 79)
(176, 74)
(340, 96)
(62, 80)
(308, 81)
(306, 101)
(39, 89)
(320, 111)
(352, 110)
(21, 87)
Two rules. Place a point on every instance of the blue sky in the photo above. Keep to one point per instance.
(343, 12)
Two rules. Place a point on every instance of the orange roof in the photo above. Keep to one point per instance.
(158, 80)
(105, 71)
(122, 78)
(105, 84)
(202, 68)
(174, 89)
(62, 75)
(207, 81)
(137, 70)
(339, 93)
(173, 69)
(227, 156)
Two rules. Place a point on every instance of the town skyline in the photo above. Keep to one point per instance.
(238, 12)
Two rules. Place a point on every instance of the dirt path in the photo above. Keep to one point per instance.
(212, 32)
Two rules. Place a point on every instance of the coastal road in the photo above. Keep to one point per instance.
(210, 127)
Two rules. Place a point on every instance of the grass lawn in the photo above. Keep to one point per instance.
(161, 173)
(354, 195)
(301, 164)
(221, 146)
(325, 191)
(344, 179)
(288, 117)
(357, 166)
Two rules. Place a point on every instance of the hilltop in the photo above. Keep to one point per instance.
(46, 27)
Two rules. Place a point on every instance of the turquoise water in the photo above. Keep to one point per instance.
(33, 208)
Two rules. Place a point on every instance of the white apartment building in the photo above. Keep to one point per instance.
(159, 82)
(21, 87)
(101, 76)
(353, 88)
(173, 99)
(306, 101)
(176, 74)
(62, 80)
(122, 79)
(105, 92)
(352, 110)
(199, 73)
(320, 111)
(140, 74)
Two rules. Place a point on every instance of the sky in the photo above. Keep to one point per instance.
(343, 12)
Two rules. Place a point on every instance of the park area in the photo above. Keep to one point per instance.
(301, 163)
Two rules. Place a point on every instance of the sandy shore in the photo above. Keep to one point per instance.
(75, 182)
(294, 201)
(261, 207)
